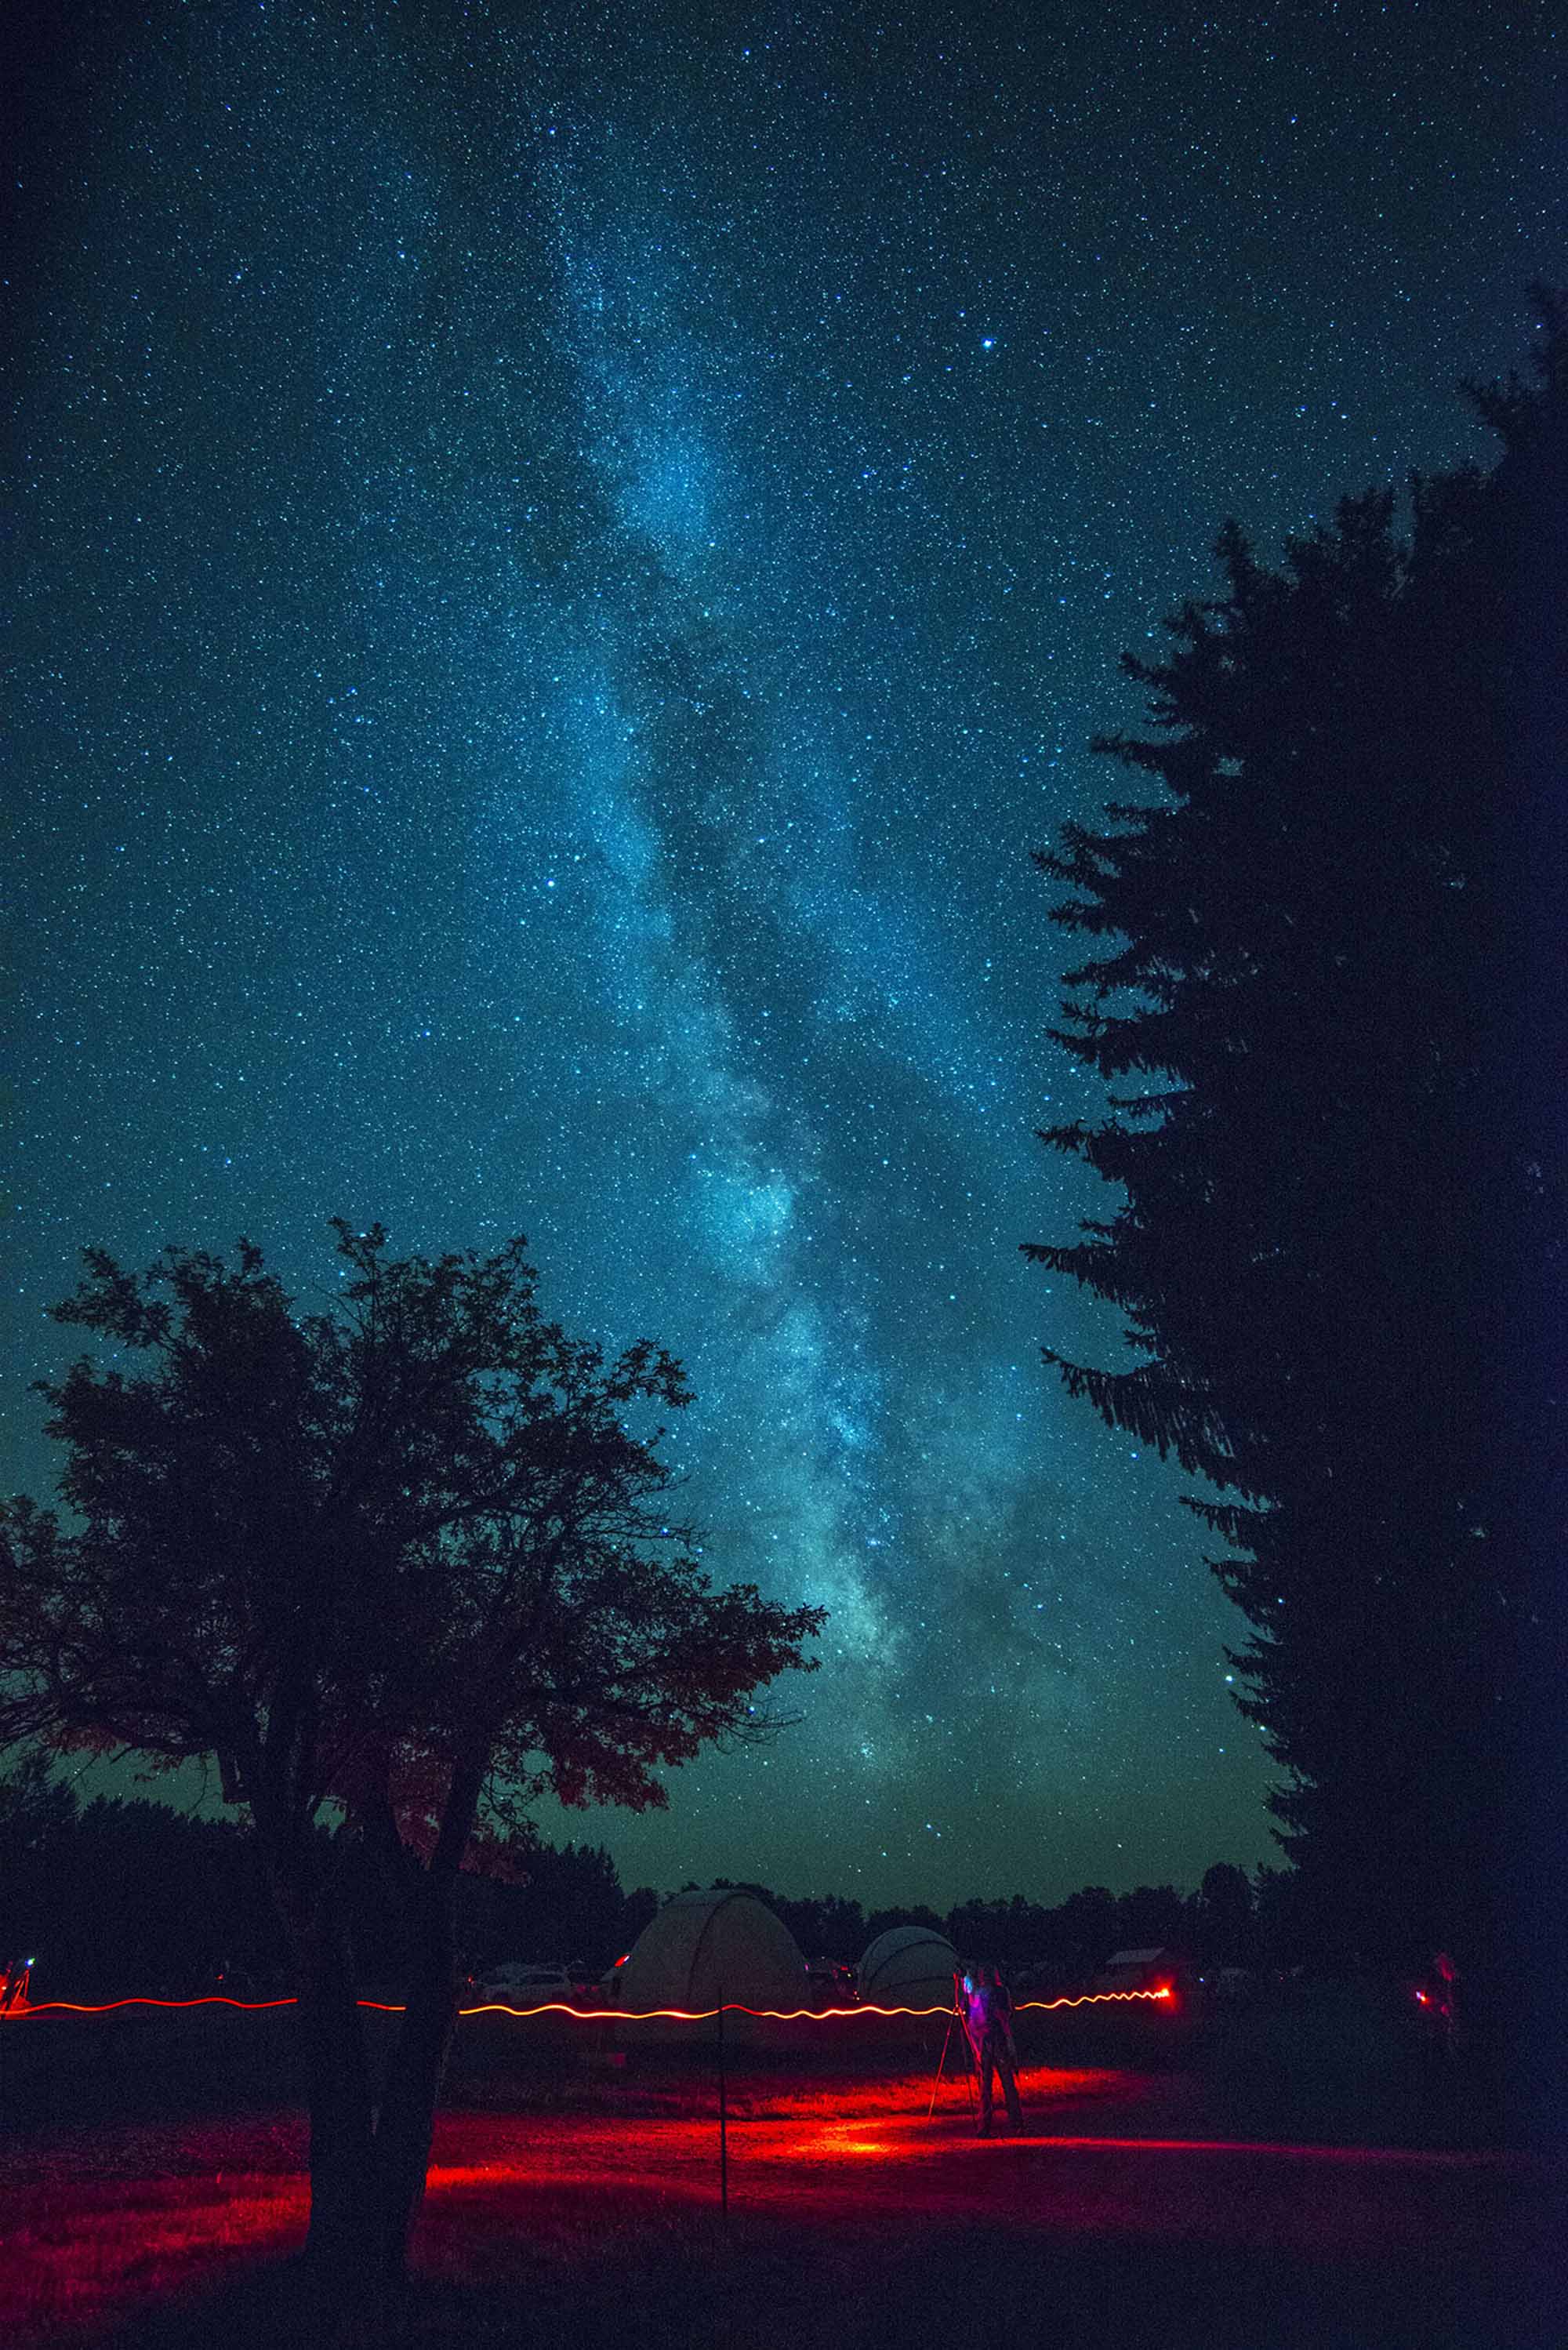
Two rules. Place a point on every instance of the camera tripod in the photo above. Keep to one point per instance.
(969, 2082)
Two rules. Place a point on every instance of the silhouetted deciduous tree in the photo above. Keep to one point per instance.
(568, 1905)
(826, 1927)
(1329, 983)
(1151, 1917)
(1087, 1926)
(881, 1921)
(1219, 1926)
(403, 1561)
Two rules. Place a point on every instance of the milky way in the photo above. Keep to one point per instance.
(566, 559)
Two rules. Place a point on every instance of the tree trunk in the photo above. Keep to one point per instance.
(407, 2121)
(342, 2121)
(367, 2167)
(338, 2075)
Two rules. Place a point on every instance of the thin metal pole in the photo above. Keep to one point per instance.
(723, 2120)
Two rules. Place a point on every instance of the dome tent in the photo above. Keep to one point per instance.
(701, 1943)
(908, 1966)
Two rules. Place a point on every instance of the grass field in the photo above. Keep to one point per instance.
(1282, 2182)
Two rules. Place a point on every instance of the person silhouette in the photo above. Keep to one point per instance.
(985, 2011)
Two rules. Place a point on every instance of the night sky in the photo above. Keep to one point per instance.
(566, 556)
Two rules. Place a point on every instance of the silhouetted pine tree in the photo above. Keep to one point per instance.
(1328, 986)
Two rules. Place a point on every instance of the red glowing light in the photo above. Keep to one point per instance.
(586, 2015)
(108, 2006)
(1097, 1998)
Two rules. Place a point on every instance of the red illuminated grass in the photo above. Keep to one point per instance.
(846, 2206)
(73, 2259)
(568, 2205)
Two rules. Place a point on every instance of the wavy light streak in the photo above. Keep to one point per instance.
(581, 2014)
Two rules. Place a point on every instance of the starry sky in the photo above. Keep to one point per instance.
(563, 558)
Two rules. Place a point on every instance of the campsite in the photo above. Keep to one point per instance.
(1297, 2173)
(783, 1367)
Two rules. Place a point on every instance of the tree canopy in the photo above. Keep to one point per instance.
(339, 1552)
(401, 1564)
(1320, 958)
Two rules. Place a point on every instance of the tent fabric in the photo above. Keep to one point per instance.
(908, 1966)
(701, 1943)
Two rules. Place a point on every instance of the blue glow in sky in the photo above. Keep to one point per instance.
(566, 557)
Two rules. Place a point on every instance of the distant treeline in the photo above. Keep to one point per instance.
(115, 1897)
(1232, 1919)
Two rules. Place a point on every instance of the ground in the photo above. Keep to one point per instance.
(1284, 2183)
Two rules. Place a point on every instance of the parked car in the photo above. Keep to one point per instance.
(519, 1985)
(831, 1983)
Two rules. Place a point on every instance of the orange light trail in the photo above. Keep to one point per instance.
(579, 2014)
(106, 2007)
